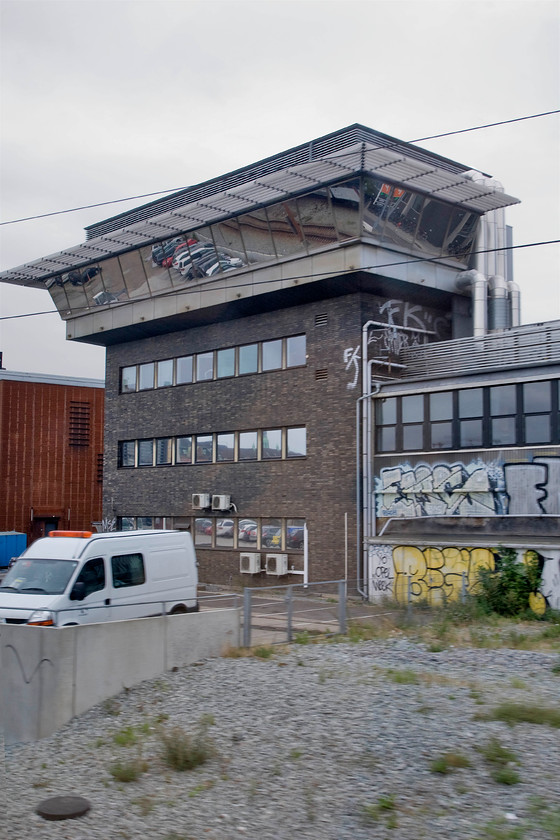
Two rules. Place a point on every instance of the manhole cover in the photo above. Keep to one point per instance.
(63, 807)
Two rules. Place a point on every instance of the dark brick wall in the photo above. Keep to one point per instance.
(40, 469)
(320, 488)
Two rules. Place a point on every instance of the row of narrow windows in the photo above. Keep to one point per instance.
(245, 534)
(498, 415)
(259, 357)
(252, 445)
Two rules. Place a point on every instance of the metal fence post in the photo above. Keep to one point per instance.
(289, 610)
(342, 606)
(246, 617)
(463, 587)
(408, 594)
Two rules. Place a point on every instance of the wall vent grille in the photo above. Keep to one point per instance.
(79, 425)
(321, 320)
(320, 374)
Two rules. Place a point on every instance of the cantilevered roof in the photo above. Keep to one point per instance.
(395, 163)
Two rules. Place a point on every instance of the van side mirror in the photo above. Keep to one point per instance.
(78, 592)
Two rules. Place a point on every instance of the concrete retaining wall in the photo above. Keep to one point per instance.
(49, 675)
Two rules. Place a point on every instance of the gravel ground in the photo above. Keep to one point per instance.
(318, 742)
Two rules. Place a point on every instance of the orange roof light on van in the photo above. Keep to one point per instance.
(84, 534)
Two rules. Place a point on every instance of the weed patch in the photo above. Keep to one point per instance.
(512, 713)
(448, 762)
(182, 751)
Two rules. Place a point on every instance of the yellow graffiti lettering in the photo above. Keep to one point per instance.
(437, 575)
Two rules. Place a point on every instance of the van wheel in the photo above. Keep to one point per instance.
(179, 609)
(71, 624)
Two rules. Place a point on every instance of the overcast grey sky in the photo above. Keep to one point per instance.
(113, 98)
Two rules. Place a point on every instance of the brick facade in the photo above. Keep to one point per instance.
(52, 445)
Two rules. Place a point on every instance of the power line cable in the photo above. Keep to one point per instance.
(180, 189)
(196, 289)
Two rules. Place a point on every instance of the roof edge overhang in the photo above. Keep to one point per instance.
(427, 178)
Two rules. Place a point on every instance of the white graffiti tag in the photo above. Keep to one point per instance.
(352, 360)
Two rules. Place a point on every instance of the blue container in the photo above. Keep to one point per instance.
(12, 543)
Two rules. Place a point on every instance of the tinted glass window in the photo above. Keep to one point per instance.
(296, 442)
(184, 370)
(503, 431)
(272, 355)
(441, 406)
(145, 453)
(183, 451)
(386, 439)
(204, 366)
(225, 447)
(502, 399)
(413, 436)
(386, 411)
(248, 358)
(471, 433)
(165, 373)
(203, 449)
(164, 450)
(127, 570)
(146, 376)
(92, 576)
(272, 443)
(442, 435)
(295, 351)
(247, 446)
(225, 362)
(470, 402)
(537, 428)
(413, 408)
(127, 453)
(536, 397)
(128, 379)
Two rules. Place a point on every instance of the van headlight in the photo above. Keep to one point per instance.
(41, 618)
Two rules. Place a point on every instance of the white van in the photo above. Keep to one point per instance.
(76, 577)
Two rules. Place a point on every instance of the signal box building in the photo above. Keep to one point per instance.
(260, 330)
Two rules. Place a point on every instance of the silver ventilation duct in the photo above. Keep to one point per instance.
(476, 282)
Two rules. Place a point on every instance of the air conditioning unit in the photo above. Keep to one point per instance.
(221, 502)
(250, 563)
(200, 501)
(276, 564)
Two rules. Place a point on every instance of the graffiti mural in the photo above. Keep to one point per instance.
(432, 574)
(402, 318)
(477, 488)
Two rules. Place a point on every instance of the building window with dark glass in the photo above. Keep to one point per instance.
(295, 351)
(183, 450)
(386, 424)
(248, 446)
(412, 408)
(272, 443)
(127, 453)
(204, 367)
(296, 443)
(204, 449)
(165, 373)
(225, 363)
(272, 355)
(146, 376)
(128, 379)
(184, 374)
(441, 420)
(164, 451)
(248, 358)
(145, 453)
(471, 411)
(537, 412)
(503, 410)
(225, 446)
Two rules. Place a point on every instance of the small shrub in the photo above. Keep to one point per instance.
(500, 759)
(182, 751)
(505, 590)
(505, 776)
(448, 762)
(404, 677)
(512, 713)
(125, 737)
(385, 805)
(263, 652)
(128, 771)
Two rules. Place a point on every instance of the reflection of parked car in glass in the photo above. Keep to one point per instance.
(203, 526)
(294, 537)
(165, 249)
(78, 278)
(271, 536)
(248, 532)
(224, 528)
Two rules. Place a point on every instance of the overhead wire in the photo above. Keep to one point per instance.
(180, 189)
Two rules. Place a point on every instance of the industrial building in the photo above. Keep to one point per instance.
(311, 357)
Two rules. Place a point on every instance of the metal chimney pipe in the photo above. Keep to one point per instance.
(499, 303)
(478, 285)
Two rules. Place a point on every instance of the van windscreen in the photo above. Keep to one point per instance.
(36, 576)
